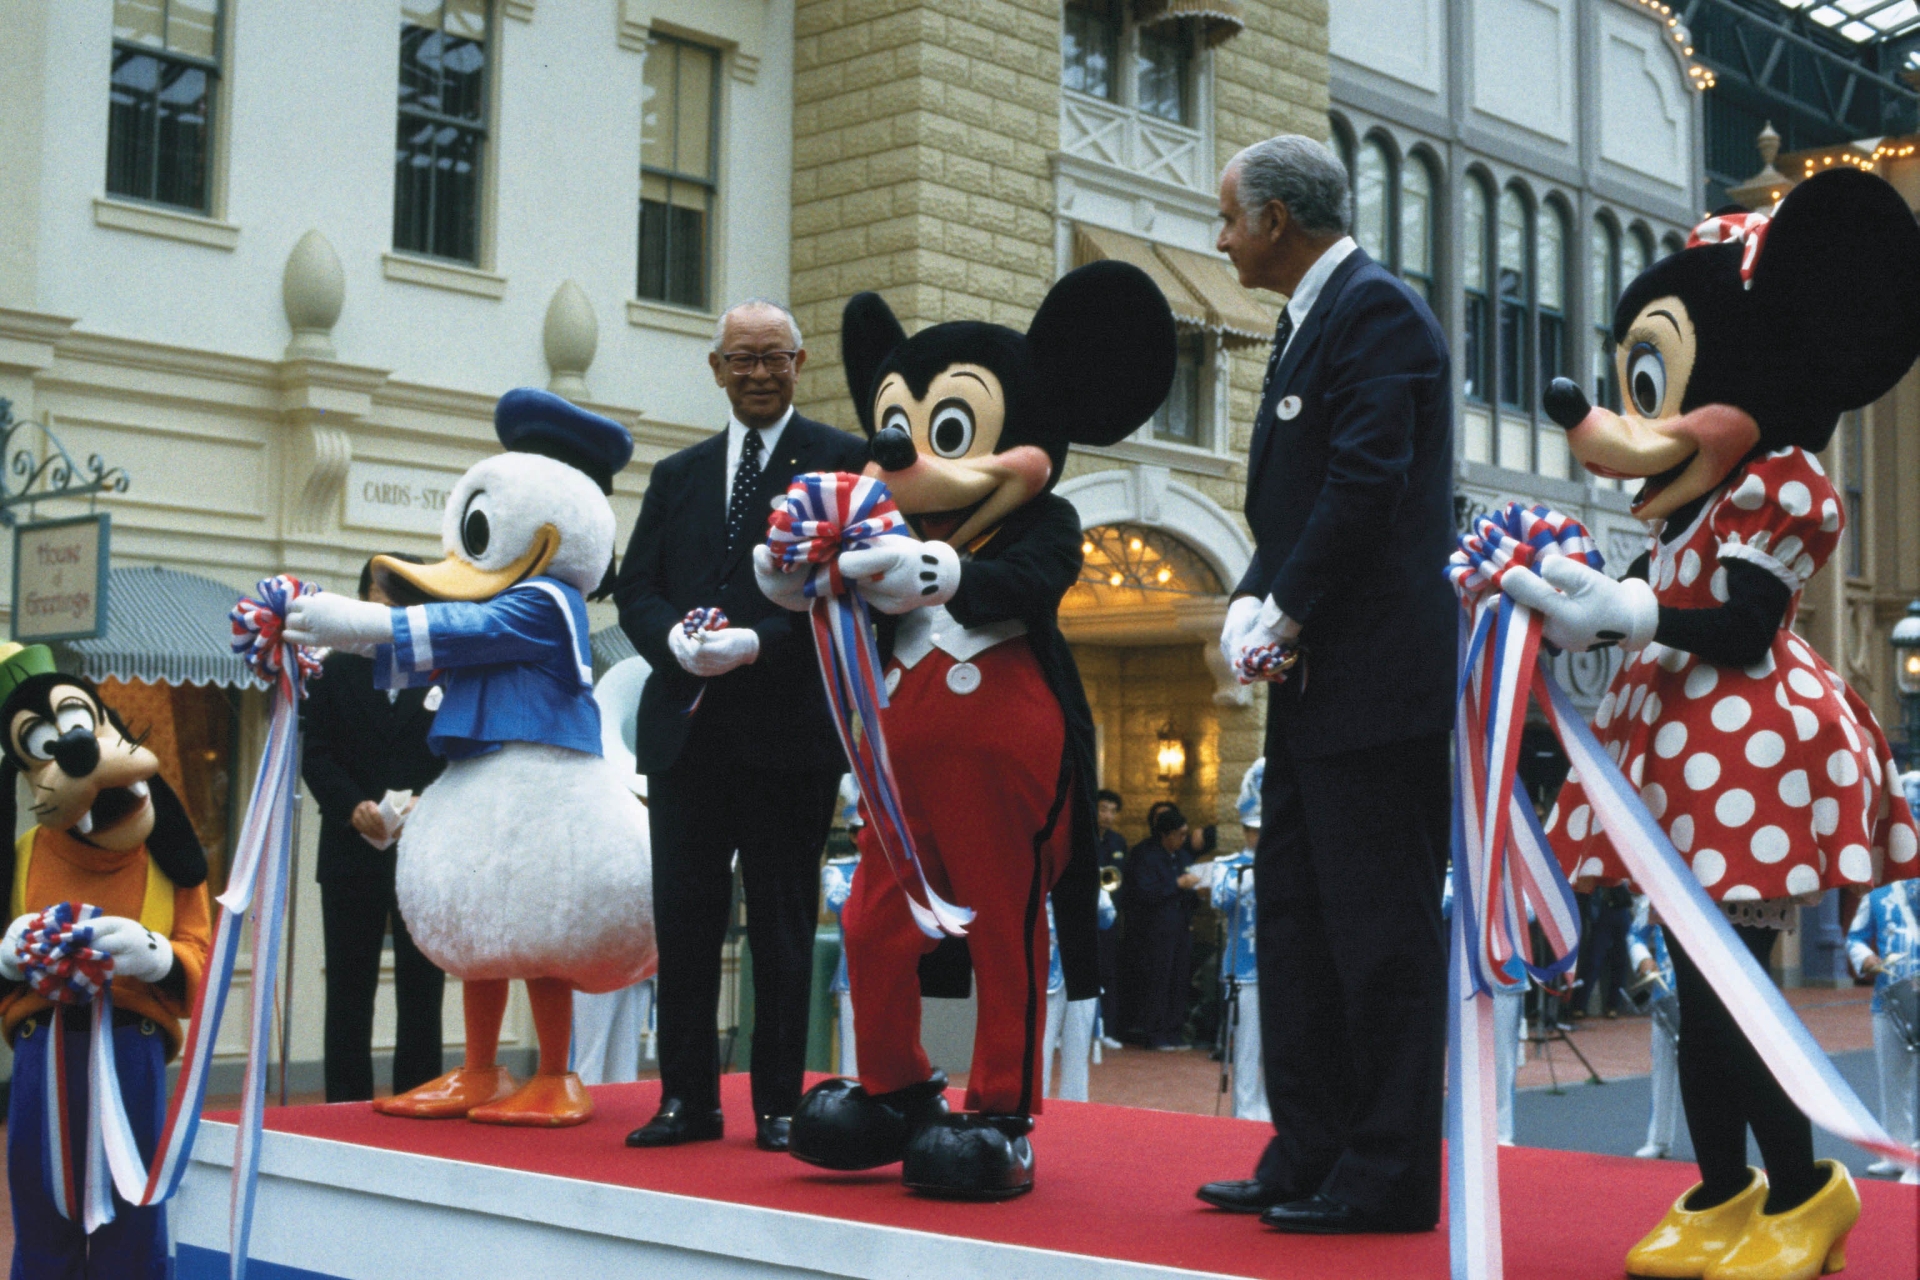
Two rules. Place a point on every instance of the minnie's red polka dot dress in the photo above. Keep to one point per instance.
(1773, 780)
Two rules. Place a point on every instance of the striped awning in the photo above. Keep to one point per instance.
(163, 627)
(1214, 21)
(1204, 292)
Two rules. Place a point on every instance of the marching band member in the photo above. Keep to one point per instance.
(1228, 882)
(1884, 944)
(1647, 952)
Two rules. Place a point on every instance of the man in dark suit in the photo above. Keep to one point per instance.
(362, 742)
(1349, 494)
(734, 734)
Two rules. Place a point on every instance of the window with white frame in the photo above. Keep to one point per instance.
(441, 141)
(1133, 92)
(1516, 381)
(1476, 261)
(1603, 291)
(1416, 225)
(161, 99)
(1392, 207)
(679, 170)
(1184, 417)
(1550, 328)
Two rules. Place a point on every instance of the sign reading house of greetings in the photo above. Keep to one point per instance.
(60, 578)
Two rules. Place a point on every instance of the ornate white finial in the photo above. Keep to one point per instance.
(313, 288)
(571, 336)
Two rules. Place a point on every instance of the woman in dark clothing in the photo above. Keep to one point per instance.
(1157, 975)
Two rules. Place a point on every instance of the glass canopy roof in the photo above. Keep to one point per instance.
(1861, 21)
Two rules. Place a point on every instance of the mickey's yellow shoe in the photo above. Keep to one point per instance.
(1799, 1244)
(1687, 1242)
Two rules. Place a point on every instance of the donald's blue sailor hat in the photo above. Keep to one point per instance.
(529, 420)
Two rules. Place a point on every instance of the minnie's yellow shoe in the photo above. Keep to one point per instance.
(1687, 1242)
(1799, 1244)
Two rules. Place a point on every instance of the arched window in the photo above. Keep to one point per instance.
(1475, 282)
(1550, 270)
(1416, 225)
(1373, 200)
(1603, 290)
(1340, 138)
(1516, 383)
(1672, 243)
(1636, 254)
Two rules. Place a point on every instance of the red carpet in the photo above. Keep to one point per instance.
(1114, 1182)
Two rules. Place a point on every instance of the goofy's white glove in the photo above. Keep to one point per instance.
(10, 947)
(786, 588)
(1584, 608)
(137, 951)
(339, 622)
(713, 653)
(899, 574)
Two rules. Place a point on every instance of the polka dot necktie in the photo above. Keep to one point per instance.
(746, 478)
(1281, 332)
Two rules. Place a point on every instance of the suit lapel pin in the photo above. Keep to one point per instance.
(1289, 408)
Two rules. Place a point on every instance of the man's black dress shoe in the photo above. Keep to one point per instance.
(676, 1123)
(770, 1132)
(1322, 1215)
(1243, 1195)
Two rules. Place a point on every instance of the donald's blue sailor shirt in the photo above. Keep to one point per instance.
(1886, 925)
(515, 668)
(1229, 883)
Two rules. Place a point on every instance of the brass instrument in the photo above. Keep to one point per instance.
(1110, 879)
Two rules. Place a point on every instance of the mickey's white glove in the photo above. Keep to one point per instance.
(339, 622)
(900, 575)
(1584, 608)
(137, 951)
(713, 653)
(786, 588)
(10, 947)
(1243, 616)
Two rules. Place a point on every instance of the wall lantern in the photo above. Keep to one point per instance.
(1906, 674)
(1172, 756)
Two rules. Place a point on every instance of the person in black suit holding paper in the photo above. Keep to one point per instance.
(1349, 494)
(734, 734)
(360, 743)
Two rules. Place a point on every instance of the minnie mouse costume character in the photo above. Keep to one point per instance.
(1768, 773)
(987, 725)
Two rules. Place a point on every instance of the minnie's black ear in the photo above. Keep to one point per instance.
(868, 335)
(1836, 283)
(1103, 350)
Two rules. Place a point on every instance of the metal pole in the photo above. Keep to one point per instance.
(293, 900)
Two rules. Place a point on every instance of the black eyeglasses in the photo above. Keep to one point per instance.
(744, 361)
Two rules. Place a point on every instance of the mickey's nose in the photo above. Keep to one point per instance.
(893, 449)
(1566, 403)
(77, 752)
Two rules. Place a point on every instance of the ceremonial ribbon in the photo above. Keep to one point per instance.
(1502, 862)
(258, 874)
(824, 514)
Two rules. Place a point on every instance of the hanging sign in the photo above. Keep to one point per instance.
(60, 578)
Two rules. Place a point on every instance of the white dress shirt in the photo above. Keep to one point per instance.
(1300, 305)
(737, 442)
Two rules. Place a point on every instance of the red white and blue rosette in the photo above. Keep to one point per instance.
(1503, 866)
(823, 515)
(257, 624)
(57, 956)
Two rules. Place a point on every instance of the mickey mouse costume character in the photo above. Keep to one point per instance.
(1768, 773)
(111, 834)
(988, 728)
(528, 857)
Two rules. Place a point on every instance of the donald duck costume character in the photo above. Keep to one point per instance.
(528, 857)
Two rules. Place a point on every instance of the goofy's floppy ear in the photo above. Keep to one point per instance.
(869, 333)
(1103, 348)
(1834, 284)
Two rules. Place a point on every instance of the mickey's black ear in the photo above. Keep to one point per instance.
(1103, 349)
(1836, 281)
(868, 335)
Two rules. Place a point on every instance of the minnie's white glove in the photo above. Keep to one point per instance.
(786, 588)
(899, 575)
(339, 622)
(10, 947)
(713, 653)
(137, 951)
(1584, 608)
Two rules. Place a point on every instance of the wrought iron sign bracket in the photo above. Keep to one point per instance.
(32, 475)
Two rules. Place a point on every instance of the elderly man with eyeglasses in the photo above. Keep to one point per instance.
(733, 732)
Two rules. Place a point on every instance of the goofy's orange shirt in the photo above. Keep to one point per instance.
(51, 867)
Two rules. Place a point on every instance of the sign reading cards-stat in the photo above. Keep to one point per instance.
(60, 579)
(397, 498)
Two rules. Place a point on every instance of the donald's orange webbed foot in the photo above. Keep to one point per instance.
(452, 1095)
(544, 1102)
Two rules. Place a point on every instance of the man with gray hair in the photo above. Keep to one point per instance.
(1349, 495)
(733, 732)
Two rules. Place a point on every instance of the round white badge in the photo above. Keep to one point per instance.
(963, 677)
(893, 681)
(432, 701)
(1289, 408)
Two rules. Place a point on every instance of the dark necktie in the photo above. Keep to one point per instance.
(1281, 332)
(746, 479)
